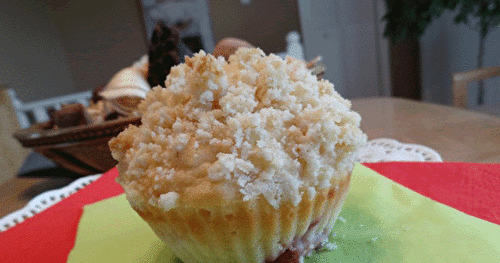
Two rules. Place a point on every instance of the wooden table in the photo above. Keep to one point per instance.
(458, 135)
(17, 192)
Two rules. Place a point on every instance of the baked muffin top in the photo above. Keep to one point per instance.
(255, 126)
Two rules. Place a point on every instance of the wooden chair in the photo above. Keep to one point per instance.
(12, 154)
(461, 81)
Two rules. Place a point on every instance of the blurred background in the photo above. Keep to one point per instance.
(55, 47)
(402, 48)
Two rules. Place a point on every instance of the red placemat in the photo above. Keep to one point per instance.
(471, 188)
(50, 235)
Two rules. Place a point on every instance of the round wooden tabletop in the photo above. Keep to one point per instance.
(457, 134)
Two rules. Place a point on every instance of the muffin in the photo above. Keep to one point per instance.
(245, 160)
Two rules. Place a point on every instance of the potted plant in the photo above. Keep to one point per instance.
(407, 21)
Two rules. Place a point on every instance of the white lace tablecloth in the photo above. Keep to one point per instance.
(378, 150)
(386, 150)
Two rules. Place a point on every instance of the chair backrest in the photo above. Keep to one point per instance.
(38, 111)
(462, 79)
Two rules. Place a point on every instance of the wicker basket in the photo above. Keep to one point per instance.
(82, 149)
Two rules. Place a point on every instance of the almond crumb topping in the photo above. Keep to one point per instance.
(254, 126)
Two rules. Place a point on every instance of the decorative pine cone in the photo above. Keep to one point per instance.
(165, 51)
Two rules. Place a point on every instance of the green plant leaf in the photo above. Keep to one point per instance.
(409, 18)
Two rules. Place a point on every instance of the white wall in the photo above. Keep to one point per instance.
(55, 47)
(99, 38)
(263, 23)
(347, 35)
(32, 59)
(447, 48)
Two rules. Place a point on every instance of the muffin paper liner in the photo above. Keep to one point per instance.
(248, 231)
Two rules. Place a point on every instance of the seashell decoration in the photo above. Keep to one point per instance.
(316, 67)
(228, 46)
(126, 89)
(142, 65)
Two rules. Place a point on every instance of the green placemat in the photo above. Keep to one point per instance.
(381, 221)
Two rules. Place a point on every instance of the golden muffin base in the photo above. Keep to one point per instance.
(248, 231)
